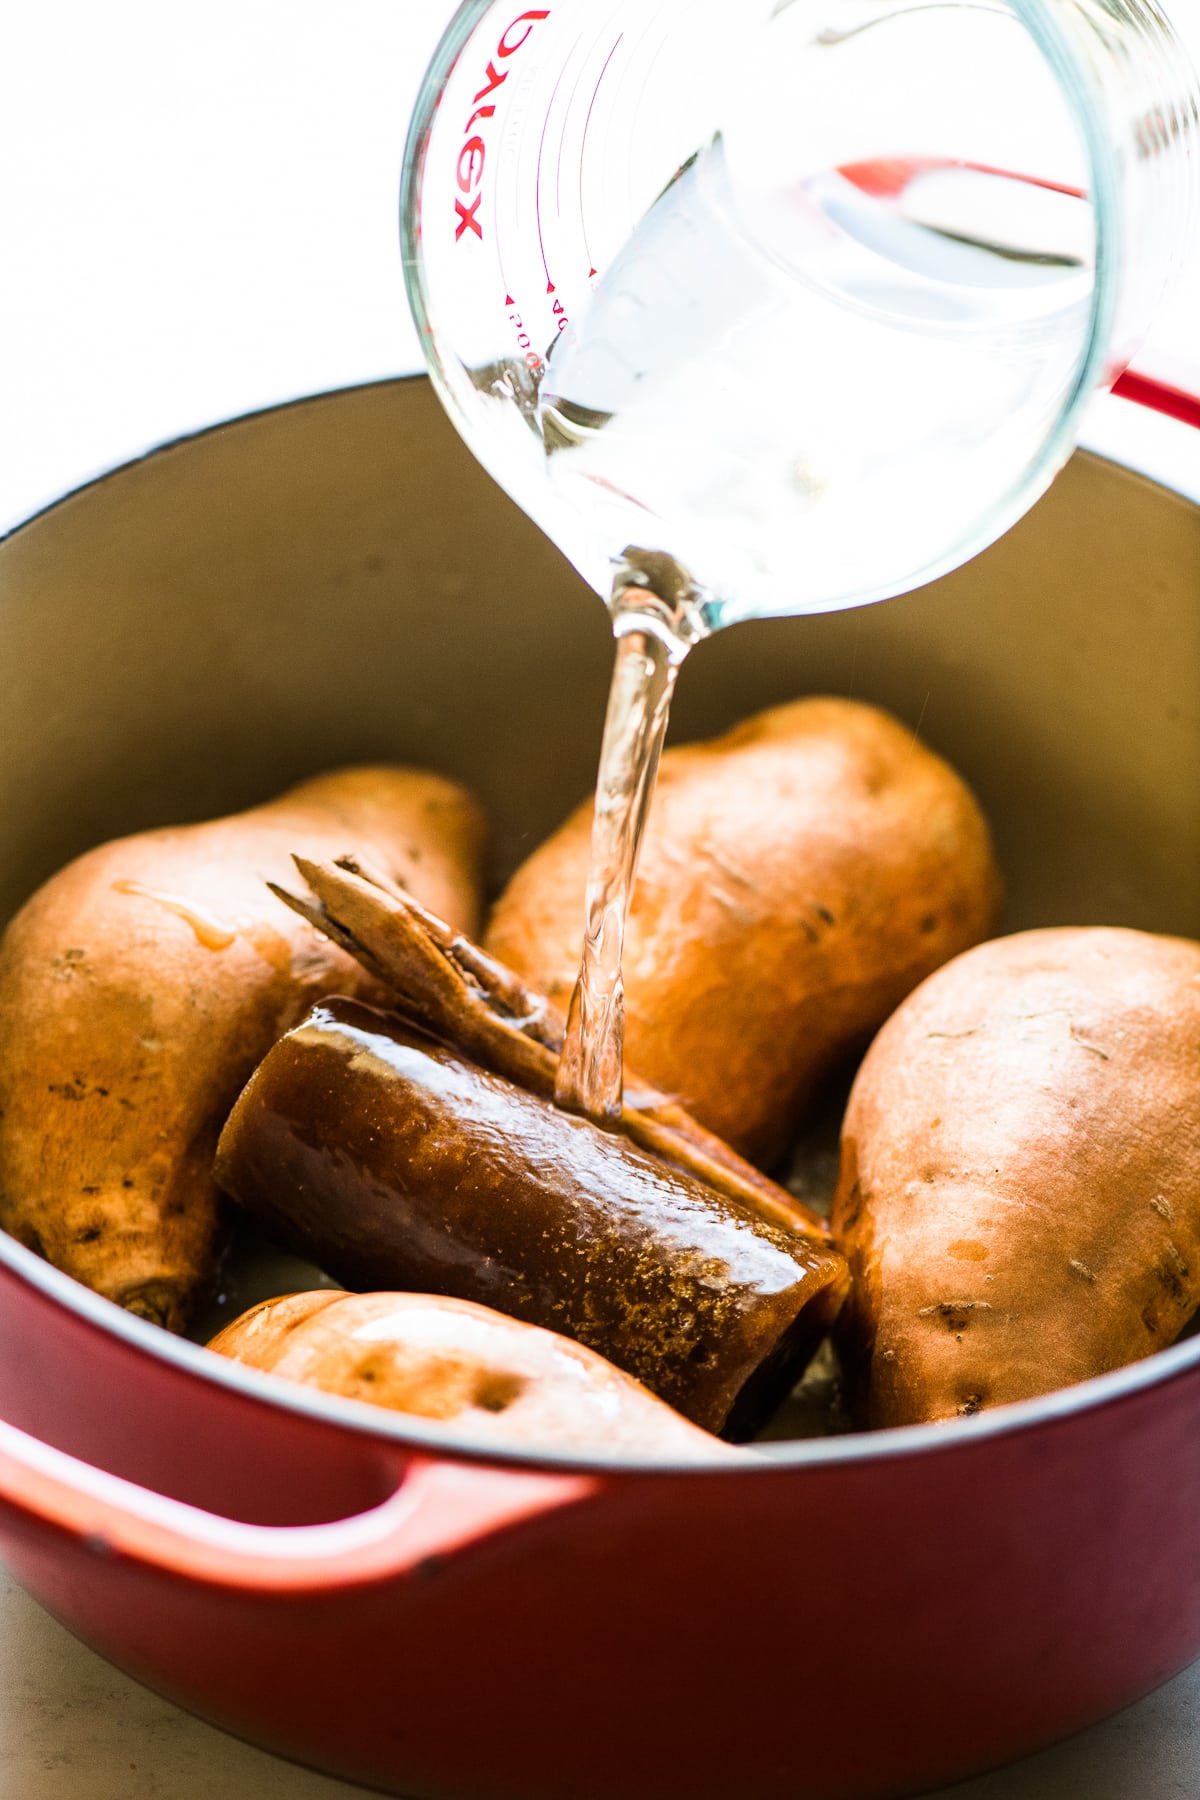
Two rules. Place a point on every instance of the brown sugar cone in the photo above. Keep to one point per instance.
(393, 1162)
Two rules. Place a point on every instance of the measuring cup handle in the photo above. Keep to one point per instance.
(1160, 396)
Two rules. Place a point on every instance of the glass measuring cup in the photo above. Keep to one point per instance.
(779, 313)
(811, 300)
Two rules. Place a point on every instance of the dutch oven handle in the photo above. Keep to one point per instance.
(437, 1507)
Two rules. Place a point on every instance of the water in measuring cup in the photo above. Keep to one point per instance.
(801, 394)
(770, 432)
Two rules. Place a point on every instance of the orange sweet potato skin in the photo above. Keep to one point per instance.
(140, 986)
(799, 876)
(487, 1376)
(1019, 1194)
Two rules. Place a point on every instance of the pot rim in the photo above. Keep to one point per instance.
(1157, 451)
(1104, 443)
(779, 1457)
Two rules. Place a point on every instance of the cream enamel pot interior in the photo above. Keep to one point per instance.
(853, 1619)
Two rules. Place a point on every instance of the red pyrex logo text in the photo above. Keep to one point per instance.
(471, 156)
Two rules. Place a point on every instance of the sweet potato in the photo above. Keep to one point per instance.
(798, 877)
(492, 1378)
(140, 986)
(1019, 1193)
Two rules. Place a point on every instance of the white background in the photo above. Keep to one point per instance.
(198, 217)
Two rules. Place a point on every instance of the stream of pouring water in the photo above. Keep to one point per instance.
(762, 370)
(648, 656)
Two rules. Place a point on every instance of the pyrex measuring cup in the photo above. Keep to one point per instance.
(804, 295)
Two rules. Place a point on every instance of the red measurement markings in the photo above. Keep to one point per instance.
(583, 147)
(512, 122)
(584, 60)
(537, 184)
(524, 341)
(649, 65)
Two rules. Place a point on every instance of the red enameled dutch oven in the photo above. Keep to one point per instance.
(867, 1616)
